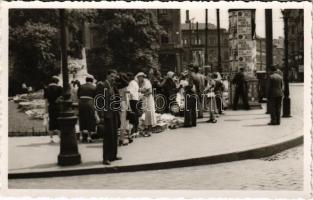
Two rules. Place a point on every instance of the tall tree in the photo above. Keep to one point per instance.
(34, 44)
(132, 37)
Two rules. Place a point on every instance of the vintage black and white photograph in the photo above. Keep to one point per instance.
(158, 98)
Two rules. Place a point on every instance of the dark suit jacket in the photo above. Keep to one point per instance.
(106, 100)
(275, 86)
(240, 81)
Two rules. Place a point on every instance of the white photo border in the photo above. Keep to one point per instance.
(5, 6)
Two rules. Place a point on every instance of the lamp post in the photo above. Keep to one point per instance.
(286, 99)
(269, 45)
(69, 154)
(206, 60)
(219, 64)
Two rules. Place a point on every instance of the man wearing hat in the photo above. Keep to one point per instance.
(87, 117)
(274, 95)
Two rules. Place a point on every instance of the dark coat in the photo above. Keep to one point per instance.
(275, 86)
(87, 89)
(240, 81)
(106, 102)
(52, 93)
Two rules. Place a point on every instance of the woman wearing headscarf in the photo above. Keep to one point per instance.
(148, 105)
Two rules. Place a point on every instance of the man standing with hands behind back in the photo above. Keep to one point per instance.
(275, 95)
(109, 117)
(241, 89)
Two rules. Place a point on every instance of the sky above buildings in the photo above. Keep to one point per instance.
(199, 16)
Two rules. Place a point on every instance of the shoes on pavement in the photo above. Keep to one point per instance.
(106, 162)
(212, 121)
(89, 140)
(272, 124)
(116, 158)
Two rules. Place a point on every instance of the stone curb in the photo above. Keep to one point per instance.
(228, 157)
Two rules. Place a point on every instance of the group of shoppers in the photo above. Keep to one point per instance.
(112, 108)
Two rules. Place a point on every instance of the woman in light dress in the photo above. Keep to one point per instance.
(148, 105)
(210, 98)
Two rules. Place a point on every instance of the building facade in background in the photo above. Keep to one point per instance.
(278, 53)
(295, 43)
(193, 40)
(170, 53)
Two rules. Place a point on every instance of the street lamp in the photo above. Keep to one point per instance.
(269, 46)
(69, 154)
(286, 100)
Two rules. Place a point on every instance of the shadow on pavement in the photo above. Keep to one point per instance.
(39, 144)
(50, 165)
(255, 125)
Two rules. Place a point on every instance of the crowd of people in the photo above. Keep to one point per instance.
(124, 105)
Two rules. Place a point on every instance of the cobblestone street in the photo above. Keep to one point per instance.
(283, 171)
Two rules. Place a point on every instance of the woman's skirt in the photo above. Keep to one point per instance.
(87, 117)
(149, 111)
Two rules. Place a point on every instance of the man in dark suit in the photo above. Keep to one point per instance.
(105, 102)
(241, 90)
(199, 82)
(274, 95)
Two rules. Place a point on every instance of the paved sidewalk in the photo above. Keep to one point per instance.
(235, 131)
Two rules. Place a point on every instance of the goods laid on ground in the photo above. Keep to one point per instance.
(164, 122)
(32, 104)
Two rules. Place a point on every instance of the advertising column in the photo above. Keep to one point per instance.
(242, 47)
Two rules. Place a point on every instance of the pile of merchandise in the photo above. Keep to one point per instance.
(32, 104)
(164, 122)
